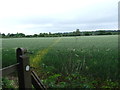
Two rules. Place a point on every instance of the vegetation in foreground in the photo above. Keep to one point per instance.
(70, 62)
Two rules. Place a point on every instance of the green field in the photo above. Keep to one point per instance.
(69, 61)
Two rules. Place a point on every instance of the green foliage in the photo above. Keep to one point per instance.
(110, 84)
(83, 62)
(77, 81)
(6, 83)
(74, 33)
(51, 80)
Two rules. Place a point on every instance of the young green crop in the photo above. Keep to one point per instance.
(91, 56)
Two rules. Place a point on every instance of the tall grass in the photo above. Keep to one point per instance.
(93, 56)
(90, 56)
(34, 45)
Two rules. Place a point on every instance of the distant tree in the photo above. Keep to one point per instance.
(86, 33)
(41, 35)
(77, 32)
(35, 35)
(49, 33)
(3, 35)
(8, 35)
(20, 35)
(28, 36)
(101, 32)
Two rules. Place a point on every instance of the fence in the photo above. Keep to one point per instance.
(26, 77)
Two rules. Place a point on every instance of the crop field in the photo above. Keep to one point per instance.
(83, 61)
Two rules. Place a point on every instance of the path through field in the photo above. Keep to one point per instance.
(84, 61)
(40, 54)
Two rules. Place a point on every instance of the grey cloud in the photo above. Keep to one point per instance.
(95, 17)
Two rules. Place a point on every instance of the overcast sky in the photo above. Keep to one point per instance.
(36, 16)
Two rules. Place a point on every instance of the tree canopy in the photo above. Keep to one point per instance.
(65, 34)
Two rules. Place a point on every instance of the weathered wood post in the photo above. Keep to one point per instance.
(24, 73)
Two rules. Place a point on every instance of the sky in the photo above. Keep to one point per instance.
(38, 16)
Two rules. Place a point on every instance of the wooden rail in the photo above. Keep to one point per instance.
(26, 77)
(10, 69)
(36, 81)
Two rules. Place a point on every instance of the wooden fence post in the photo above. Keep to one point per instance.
(24, 73)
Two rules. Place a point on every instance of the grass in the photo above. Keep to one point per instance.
(69, 61)
(32, 44)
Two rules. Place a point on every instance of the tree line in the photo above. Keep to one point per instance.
(74, 33)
